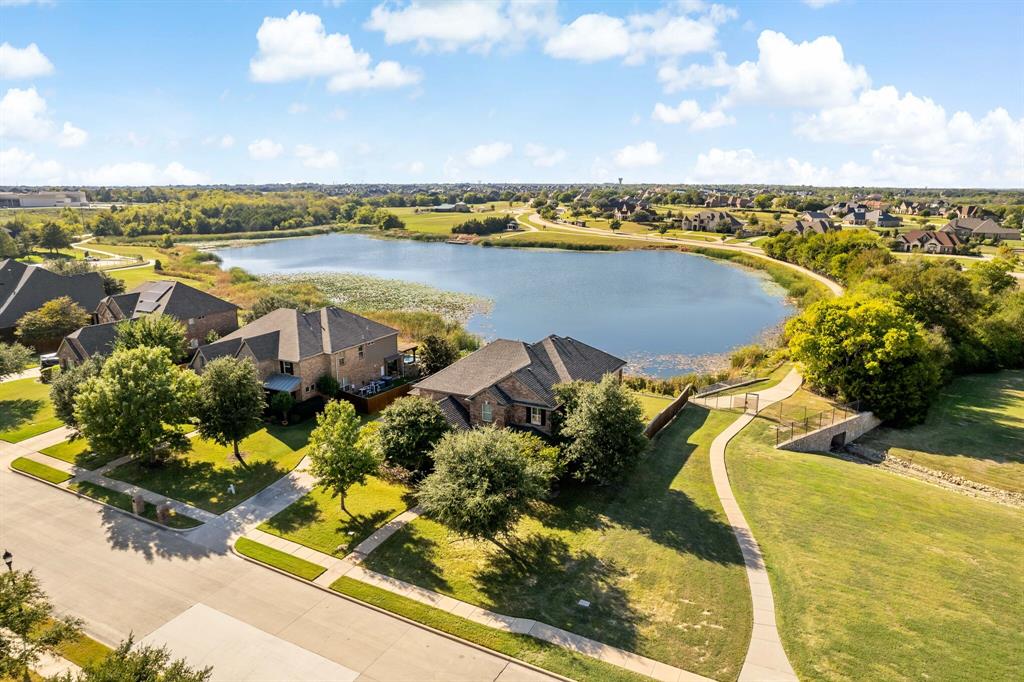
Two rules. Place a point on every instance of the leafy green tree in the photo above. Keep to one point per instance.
(139, 663)
(338, 457)
(9, 246)
(282, 403)
(133, 406)
(154, 331)
(603, 432)
(230, 402)
(29, 626)
(436, 353)
(53, 321)
(993, 276)
(52, 236)
(409, 429)
(14, 358)
(482, 483)
(869, 349)
(1002, 331)
(64, 390)
(615, 224)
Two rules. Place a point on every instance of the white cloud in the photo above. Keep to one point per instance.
(807, 74)
(590, 38)
(478, 25)
(265, 149)
(141, 173)
(298, 46)
(689, 111)
(543, 157)
(488, 154)
(71, 136)
(24, 62)
(176, 174)
(226, 141)
(23, 115)
(316, 158)
(18, 167)
(297, 108)
(411, 167)
(637, 155)
(339, 114)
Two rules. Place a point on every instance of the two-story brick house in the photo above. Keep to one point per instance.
(293, 350)
(200, 312)
(510, 383)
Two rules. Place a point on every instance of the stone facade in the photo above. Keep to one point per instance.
(834, 436)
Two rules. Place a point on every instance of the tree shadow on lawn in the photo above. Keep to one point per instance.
(17, 413)
(546, 579)
(305, 512)
(412, 555)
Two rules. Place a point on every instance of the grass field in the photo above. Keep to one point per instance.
(880, 577)
(317, 520)
(278, 559)
(123, 501)
(25, 410)
(974, 429)
(77, 452)
(201, 476)
(656, 560)
(552, 238)
(652, 403)
(442, 223)
(33, 468)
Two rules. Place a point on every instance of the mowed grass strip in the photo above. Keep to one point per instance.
(123, 501)
(652, 403)
(46, 473)
(523, 647)
(77, 452)
(278, 559)
(317, 521)
(974, 429)
(25, 410)
(655, 558)
(878, 576)
(202, 476)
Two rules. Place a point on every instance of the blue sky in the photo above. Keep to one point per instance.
(816, 92)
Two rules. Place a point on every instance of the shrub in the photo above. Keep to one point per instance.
(409, 428)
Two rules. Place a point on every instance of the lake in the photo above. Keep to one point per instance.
(663, 311)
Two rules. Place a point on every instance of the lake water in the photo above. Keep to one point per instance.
(660, 310)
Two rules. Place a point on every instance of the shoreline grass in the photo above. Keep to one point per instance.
(300, 568)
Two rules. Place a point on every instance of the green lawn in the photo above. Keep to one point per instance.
(33, 468)
(652, 403)
(881, 577)
(553, 238)
(201, 477)
(77, 452)
(974, 429)
(25, 410)
(278, 559)
(123, 501)
(657, 561)
(317, 521)
(442, 223)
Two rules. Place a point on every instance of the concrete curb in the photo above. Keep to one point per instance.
(410, 621)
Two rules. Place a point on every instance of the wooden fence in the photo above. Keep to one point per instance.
(376, 403)
(662, 419)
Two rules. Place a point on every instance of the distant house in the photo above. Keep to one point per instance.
(458, 207)
(857, 217)
(200, 312)
(510, 383)
(86, 342)
(980, 228)
(805, 227)
(813, 215)
(293, 350)
(907, 207)
(969, 211)
(24, 288)
(709, 221)
(844, 208)
(928, 241)
(882, 219)
(716, 201)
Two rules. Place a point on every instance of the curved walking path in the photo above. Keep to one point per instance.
(766, 659)
(114, 257)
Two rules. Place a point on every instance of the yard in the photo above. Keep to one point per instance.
(442, 223)
(25, 410)
(77, 452)
(880, 577)
(201, 476)
(652, 403)
(974, 429)
(317, 520)
(656, 560)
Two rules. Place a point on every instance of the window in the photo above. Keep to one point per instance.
(360, 350)
(487, 413)
(536, 416)
(287, 368)
(341, 359)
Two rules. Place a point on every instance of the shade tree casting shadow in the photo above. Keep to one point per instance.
(17, 413)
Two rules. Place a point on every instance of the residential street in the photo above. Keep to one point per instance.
(122, 576)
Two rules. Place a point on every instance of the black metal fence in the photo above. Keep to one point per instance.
(790, 426)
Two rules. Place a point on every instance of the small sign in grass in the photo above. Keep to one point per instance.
(278, 559)
(46, 473)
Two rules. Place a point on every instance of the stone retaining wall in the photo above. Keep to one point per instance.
(834, 436)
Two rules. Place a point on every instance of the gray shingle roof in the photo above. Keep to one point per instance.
(170, 298)
(91, 340)
(24, 288)
(455, 412)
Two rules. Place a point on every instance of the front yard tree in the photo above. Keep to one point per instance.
(54, 320)
(338, 457)
(139, 662)
(29, 627)
(409, 429)
(53, 237)
(230, 401)
(133, 406)
(868, 349)
(154, 331)
(603, 433)
(65, 388)
(483, 482)
(14, 358)
(436, 353)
